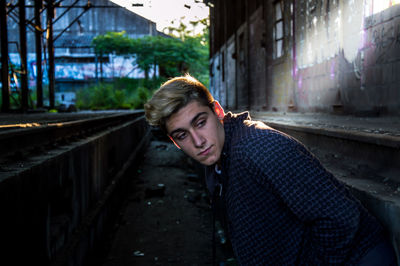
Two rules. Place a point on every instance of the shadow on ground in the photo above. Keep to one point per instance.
(167, 218)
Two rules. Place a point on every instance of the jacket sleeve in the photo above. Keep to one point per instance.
(311, 193)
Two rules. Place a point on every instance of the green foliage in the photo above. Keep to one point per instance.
(123, 93)
(142, 95)
(198, 45)
(173, 56)
(112, 42)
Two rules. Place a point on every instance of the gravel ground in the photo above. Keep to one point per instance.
(167, 218)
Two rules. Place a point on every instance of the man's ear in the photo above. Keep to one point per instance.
(174, 142)
(219, 111)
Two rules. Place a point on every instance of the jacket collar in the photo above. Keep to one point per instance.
(231, 122)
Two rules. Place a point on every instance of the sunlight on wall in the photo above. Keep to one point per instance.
(329, 30)
(376, 6)
(320, 35)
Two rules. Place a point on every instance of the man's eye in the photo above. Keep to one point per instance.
(201, 123)
(180, 136)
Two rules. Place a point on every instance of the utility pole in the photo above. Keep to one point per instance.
(50, 50)
(24, 61)
(5, 92)
(38, 42)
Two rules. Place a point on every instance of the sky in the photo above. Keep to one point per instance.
(162, 12)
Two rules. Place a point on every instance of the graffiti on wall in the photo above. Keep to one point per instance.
(384, 39)
(118, 66)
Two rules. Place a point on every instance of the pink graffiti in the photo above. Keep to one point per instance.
(294, 71)
(300, 82)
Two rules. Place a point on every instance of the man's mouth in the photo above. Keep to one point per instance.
(205, 152)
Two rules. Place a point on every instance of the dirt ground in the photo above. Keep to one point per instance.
(167, 218)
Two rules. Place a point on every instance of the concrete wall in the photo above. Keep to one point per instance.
(338, 56)
(241, 67)
(231, 90)
(257, 58)
(56, 207)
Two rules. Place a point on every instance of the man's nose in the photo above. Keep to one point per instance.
(198, 139)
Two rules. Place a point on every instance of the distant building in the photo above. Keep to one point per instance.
(76, 64)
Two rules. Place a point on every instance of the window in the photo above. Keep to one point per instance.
(278, 29)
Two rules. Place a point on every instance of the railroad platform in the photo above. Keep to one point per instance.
(30, 132)
(28, 120)
(379, 125)
(62, 181)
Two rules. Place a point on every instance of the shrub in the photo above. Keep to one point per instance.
(103, 97)
(123, 93)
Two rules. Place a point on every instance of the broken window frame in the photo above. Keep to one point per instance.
(278, 41)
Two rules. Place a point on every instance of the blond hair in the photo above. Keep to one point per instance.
(173, 95)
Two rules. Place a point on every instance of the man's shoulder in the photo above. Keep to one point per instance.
(253, 137)
(251, 131)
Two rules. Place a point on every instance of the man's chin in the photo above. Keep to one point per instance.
(208, 161)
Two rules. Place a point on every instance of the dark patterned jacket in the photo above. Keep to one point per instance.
(282, 206)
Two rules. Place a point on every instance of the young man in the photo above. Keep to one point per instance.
(282, 206)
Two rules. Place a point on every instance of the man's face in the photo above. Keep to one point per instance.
(198, 131)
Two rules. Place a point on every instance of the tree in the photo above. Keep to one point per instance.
(112, 42)
(199, 44)
(173, 56)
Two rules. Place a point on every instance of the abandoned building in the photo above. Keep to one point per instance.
(306, 55)
(326, 72)
(75, 25)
